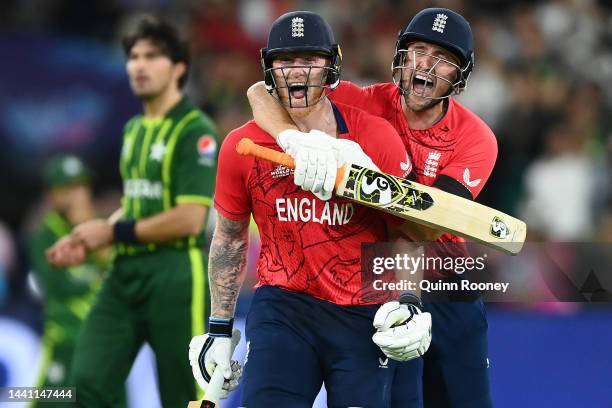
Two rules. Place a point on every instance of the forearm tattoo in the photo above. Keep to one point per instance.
(227, 265)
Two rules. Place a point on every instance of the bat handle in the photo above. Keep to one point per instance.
(246, 147)
(213, 392)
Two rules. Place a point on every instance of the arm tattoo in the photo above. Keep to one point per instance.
(227, 265)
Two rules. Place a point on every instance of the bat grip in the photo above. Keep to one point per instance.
(246, 147)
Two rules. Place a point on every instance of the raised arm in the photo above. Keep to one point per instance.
(268, 114)
(227, 265)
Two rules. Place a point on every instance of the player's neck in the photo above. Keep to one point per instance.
(419, 120)
(160, 105)
(320, 117)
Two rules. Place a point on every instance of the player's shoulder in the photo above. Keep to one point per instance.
(358, 120)
(383, 88)
(383, 98)
(471, 128)
(197, 123)
(248, 130)
(471, 122)
(203, 120)
(132, 122)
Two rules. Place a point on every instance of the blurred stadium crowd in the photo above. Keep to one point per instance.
(541, 82)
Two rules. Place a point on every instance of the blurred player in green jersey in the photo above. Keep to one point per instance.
(156, 291)
(67, 293)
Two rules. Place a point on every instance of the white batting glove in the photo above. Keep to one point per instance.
(351, 152)
(315, 162)
(317, 157)
(403, 331)
(210, 352)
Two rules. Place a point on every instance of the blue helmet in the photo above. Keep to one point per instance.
(301, 31)
(445, 28)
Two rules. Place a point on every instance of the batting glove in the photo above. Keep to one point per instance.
(403, 331)
(213, 351)
(351, 152)
(315, 163)
(317, 157)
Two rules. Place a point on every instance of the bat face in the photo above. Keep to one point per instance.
(382, 190)
(432, 207)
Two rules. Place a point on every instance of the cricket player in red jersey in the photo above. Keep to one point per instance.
(310, 321)
(450, 148)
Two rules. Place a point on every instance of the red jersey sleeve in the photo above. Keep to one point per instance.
(231, 194)
(350, 94)
(381, 142)
(473, 158)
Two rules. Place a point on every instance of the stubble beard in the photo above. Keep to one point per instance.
(150, 94)
(420, 107)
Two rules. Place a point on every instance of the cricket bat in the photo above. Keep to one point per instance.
(213, 392)
(416, 202)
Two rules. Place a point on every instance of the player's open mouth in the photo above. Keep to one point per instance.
(141, 79)
(298, 90)
(422, 83)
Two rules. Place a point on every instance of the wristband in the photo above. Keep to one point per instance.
(409, 298)
(220, 327)
(125, 231)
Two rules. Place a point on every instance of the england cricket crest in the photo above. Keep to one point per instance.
(381, 190)
(499, 229)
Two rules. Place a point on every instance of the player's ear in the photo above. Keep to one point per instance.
(179, 70)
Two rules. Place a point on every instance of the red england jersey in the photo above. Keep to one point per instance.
(460, 145)
(308, 245)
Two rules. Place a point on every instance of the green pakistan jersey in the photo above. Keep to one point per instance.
(68, 294)
(165, 162)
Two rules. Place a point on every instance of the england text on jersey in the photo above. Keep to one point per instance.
(313, 210)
